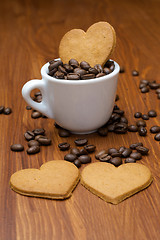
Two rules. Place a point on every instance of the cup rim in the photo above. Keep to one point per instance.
(44, 73)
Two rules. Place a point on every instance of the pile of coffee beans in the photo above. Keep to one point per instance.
(123, 154)
(77, 155)
(36, 114)
(73, 70)
(35, 139)
(145, 86)
(5, 110)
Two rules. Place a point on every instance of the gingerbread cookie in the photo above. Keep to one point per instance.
(94, 46)
(114, 184)
(55, 179)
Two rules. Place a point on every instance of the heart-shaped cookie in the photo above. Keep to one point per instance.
(55, 179)
(114, 184)
(94, 46)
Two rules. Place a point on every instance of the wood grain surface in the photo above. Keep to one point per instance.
(30, 32)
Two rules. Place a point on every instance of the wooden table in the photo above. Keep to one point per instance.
(30, 35)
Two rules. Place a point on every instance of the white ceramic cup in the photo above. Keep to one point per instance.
(81, 106)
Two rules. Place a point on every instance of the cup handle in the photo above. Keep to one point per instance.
(43, 106)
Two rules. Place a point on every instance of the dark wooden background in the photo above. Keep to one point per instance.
(30, 32)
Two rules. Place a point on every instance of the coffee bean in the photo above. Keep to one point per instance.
(145, 117)
(74, 63)
(141, 123)
(100, 75)
(130, 160)
(155, 129)
(117, 161)
(158, 95)
(117, 98)
(144, 81)
(82, 152)
(81, 141)
(37, 137)
(110, 64)
(145, 89)
(73, 76)
(75, 151)
(142, 85)
(33, 143)
(44, 141)
(152, 113)
(68, 68)
(116, 154)
(28, 108)
(138, 115)
(88, 76)
(100, 153)
(107, 70)
(119, 112)
(7, 111)
(122, 69)
(52, 72)
(80, 71)
(103, 131)
(64, 146)
(17, 147)
(115, 117)
(154, 85)
(36, 114)
(158, 90)
(124, 120)
(33, 149)
(136, 155)
(63, 132)
(59, 75)
(121, 149)
(110, 128)
(121, 128)
(142, 131)
(56, 125)
(134, 145)
(93, 71)
(85, 65)
(105, 157)
(126, 152)
(135, 73)
(70, 157)
(29, 135)
(112, 150)
(54, 64)
(77, 163)
(99, 68)
(39, 131)
(2, 109)
(142, 150)
(90, 148)
(157, 137)
(62, 69)
(84, 159)
(132, 128)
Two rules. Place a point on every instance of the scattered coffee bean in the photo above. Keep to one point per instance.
(132, 128)
(33, 149)
(64, 146)
(75, 151)
(103, 131)
(116, 154)
(82, 152)
(121, 149)
(117, 161)
(33, 143)
(100, 153)
(142, 85)
(77, 163)
(124, 120)
(142, 150)
(117, 98)
(157, 137)
(44, 141)
(136, 155)
(81, 141)
(152, 113)
(90, 148)
(138, 115)
(112, 150)
(84, 159)
(121, 128)
(141, 123)
(153, 85)
(17, 147)
(28, 108)
(105, 157)
(36, 114)
(122, 69)
(63, 132)
(38, 136)
(29, 135)
(39, 131)
(134, 145)
(7, 111)
(126, 153)
(145, 89)
(2, 109)
(130, 160)
(135, 73)
(145, 117)
(70, 157)
(155, 129)
(144, 81)
(142, 131)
